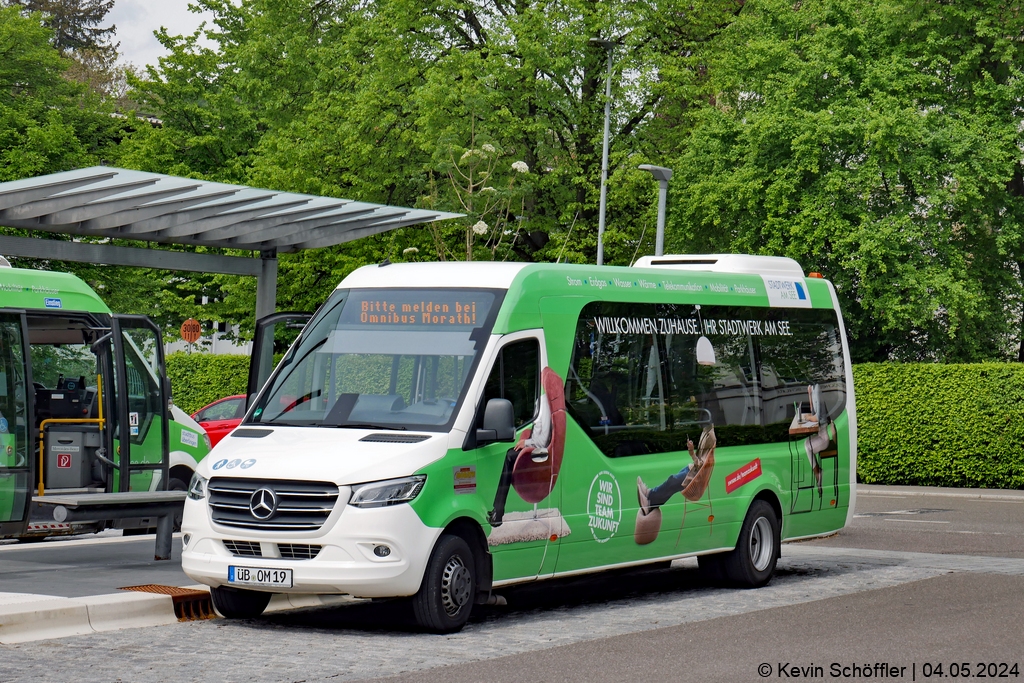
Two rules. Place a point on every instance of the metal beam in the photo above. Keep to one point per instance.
(47, 205)
(84, 212)
(266, 284)
(82, 252)
(24, 194)
(152, 210)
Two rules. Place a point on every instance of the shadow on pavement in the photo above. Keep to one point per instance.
(606, 588)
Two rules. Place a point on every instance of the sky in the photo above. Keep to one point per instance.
(137, 19)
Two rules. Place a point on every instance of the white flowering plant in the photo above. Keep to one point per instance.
(486, 185)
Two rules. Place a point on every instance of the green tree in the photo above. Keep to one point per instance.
(878, 143)
(74, 24)
(47, 122)
(375, 101)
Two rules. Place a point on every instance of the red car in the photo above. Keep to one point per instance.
(220, 417)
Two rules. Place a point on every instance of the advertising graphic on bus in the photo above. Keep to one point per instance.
(442, 430)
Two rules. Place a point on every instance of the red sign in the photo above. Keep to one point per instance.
(191, 330)
(64, 461)
(744, 475)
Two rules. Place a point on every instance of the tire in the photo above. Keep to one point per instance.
(237, 603)
(447, 592)
(752, 563)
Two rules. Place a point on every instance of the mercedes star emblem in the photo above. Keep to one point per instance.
(263, 504)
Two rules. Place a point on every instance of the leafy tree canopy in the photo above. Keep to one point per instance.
(74, 24)
(875, 141)
(878, 143)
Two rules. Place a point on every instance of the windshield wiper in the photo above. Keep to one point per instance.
(365, 425)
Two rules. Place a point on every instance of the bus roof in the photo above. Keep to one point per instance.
(48, 291)
(750, 281)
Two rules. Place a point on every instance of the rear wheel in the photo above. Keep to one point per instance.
(752, 563)
(446, 595)
(237, 603)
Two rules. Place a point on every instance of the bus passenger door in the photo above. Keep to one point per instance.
(140, 405)
(17, 466)
(261, 361)
(525, 519)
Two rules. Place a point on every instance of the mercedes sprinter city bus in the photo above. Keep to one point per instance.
(441, 430)
(84, 403)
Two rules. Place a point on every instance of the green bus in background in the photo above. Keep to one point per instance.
(441, 430)
(84, 402)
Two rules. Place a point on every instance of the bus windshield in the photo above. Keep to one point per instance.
(382, 358)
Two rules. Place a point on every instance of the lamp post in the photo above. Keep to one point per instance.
(609, 46)
(662, 175)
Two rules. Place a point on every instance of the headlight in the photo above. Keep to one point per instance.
(197, 487)
(378, 494)
(206, 438)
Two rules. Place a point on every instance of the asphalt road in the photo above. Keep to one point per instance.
(915, 581)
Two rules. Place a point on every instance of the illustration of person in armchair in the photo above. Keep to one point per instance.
(691, 481)
(531, 466)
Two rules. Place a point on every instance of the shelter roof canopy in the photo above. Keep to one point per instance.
(111, 202)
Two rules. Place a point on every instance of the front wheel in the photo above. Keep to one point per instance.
(445, 598)
(237, 603)
(752, 563)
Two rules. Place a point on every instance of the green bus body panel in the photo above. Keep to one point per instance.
(30, 289)
(148, 453)
(520, 310)
(551, 297)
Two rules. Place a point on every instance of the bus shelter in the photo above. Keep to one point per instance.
(151, 208)
(95, 206)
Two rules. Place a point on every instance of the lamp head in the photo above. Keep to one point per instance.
(660, 173)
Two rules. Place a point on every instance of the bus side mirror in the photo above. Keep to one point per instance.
(499, 422)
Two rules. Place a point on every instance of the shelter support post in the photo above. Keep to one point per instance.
(266, 284)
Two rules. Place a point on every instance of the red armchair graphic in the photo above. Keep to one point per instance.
(540, 449)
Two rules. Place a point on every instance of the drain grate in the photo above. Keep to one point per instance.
(189, 604)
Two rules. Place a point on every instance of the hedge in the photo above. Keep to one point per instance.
(918, 423)
(199, 378)
(941, 425)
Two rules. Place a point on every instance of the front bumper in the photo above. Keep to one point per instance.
(346, 563)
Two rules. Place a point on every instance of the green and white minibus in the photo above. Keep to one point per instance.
(74, 380)
(441, 430)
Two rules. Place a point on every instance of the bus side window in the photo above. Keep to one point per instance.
(515, 376)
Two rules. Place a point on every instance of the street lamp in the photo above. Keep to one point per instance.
(662, 175)
(609, 46)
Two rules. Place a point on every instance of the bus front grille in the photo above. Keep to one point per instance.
(271, 504)
(298, 551)
(244, 548)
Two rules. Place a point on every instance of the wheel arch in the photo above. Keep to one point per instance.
(769, 496)
(472, 533)
(183, 466)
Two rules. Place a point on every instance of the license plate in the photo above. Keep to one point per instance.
(260, 576)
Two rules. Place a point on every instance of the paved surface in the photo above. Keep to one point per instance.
(904, 625)
(93, 565)
(912, 593)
